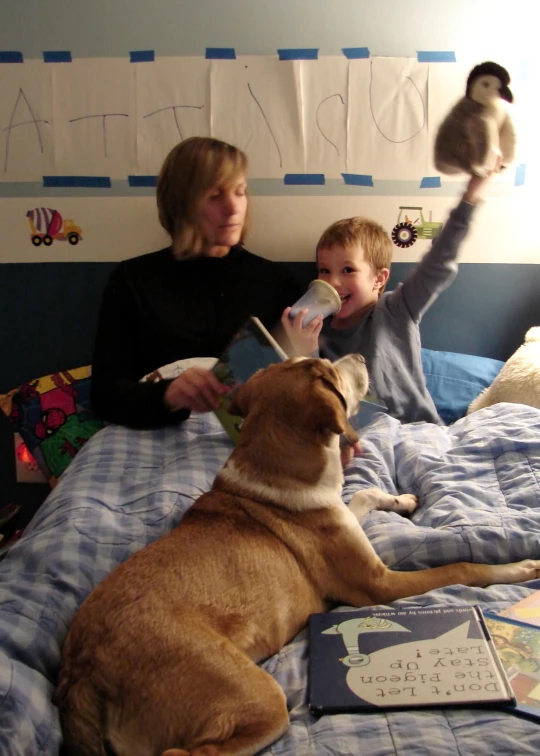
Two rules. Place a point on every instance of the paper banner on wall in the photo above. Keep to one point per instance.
(388, 118)
(173, 103)
(95, 118)
(324, 97)
(256, 106)
(26, 117)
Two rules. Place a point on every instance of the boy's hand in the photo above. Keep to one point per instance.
(196, 389)
(477, 185)
(304, 341)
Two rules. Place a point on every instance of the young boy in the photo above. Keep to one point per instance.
(354, 256)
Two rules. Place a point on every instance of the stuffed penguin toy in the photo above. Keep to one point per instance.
(478, 131)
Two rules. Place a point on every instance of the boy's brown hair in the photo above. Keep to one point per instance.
(371, 236)
(191, 169)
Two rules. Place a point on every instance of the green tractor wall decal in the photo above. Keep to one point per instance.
(406, 232)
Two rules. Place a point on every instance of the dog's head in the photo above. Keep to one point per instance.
(315, 396)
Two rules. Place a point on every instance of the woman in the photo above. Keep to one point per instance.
(186, 300)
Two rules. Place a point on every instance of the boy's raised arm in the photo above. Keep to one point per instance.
(438, 268)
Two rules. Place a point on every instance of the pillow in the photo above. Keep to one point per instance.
(454, 380)
(53, 416)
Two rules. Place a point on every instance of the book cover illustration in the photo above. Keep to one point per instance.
(251, 348)
(518, 647)
(367, 659)
(526, 610)
(369, 407)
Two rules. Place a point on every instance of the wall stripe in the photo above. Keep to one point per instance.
(283, 228)
(349, 184)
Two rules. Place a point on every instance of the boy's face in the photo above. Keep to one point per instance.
(353, 278)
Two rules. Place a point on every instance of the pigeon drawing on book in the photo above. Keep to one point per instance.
(389, 658)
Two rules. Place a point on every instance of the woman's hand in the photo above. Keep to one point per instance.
(304, 340)
(195, 389)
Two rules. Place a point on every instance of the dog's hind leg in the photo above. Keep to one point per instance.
(369, 499)
(257, 721)
(239, 709)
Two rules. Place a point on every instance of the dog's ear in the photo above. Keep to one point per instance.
(240, 401)
(330, 410)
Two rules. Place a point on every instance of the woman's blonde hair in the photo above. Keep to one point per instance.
(371, 236)
(189, 171)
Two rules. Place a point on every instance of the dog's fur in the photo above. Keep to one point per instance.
(162, 656)
(519, 379)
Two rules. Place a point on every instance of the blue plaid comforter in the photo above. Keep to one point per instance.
(479, 487)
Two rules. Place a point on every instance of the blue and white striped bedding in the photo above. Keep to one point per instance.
(479, 487)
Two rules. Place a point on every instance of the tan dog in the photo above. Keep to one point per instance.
(162, 656)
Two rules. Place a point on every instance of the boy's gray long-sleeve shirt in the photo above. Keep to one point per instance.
(388, 336)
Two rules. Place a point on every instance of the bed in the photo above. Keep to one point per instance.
(479, 487)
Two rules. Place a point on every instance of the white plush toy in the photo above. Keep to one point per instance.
(519, 379)
(478, 131)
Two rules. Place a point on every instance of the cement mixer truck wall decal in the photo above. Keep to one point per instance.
(48, 225)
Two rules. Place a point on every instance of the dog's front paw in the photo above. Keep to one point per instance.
(405, 504)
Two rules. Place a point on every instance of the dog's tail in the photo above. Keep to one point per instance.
(81, 717)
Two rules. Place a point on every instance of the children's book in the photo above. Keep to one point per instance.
(518, 647)
(367, 659)
(526, 610)
(251, 348)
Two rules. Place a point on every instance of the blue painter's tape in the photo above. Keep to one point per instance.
(358, 179)
(520, 175)
(11, 56)
(355, 52)
(430, 182)
(142, 180)
(308, 53)
(304, 178)
(221, 53)
(436, 56)
(99, 182)
(141, 56)
(57, 56)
